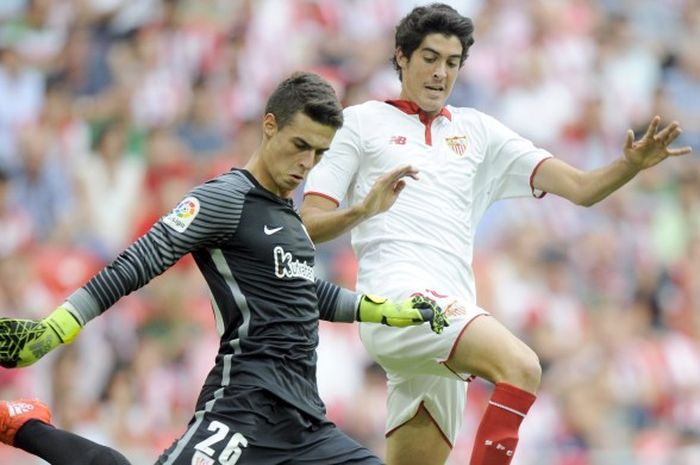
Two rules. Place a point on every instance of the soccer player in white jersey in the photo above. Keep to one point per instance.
(417, 237)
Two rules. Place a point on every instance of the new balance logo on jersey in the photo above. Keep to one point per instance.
(287, 267)
(18, 408)
(398, 140)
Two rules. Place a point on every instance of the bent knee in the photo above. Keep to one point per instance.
(524, 370)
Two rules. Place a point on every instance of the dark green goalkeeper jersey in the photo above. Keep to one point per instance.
(258, 262)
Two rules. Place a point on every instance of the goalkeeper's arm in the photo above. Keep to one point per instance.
(413, 311)
(23, 342)
(342, 305)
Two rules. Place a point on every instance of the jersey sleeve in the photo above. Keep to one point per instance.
(336, 170)
(512, 162)
(208, 215)
(336, 303)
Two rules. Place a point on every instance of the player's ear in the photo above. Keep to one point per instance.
(269, 125)
(401, 59)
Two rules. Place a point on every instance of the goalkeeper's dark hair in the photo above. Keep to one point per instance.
(434, 18)
(308, 93)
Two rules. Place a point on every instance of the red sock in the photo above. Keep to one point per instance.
(497, 435)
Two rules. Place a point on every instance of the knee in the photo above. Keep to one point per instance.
(525, 370)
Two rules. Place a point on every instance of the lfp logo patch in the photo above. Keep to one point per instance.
(181, 217)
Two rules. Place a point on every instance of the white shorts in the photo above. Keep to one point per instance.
(413, 359)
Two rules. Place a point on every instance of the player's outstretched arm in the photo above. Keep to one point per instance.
(653, 147)
(325, 222)
(23, 342)
(414, 311)
(589, 187)
(345, 306)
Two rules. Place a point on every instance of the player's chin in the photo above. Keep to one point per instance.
(432, 104)
(292, 182)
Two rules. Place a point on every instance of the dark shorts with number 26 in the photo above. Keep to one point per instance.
(256, 428)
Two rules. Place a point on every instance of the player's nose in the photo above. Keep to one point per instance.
(440, 71)
(307, 159)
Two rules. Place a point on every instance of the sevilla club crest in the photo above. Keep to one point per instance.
(458, 144)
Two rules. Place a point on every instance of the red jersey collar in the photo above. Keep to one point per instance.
(412, 108)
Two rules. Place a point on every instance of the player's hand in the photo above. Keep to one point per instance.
(386, 190)
(653, 147)
(414, 311)
(23, 342)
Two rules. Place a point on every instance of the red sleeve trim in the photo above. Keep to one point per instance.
(336, 202)
(532, 179)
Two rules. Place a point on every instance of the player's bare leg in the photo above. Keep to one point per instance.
(489, 350)
(417, 442)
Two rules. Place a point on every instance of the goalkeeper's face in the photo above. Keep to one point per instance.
(291, 151)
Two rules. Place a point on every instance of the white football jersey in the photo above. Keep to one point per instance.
(466, 161)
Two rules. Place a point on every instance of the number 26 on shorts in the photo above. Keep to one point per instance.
(229, 455)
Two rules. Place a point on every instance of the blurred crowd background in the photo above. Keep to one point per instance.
(110, 110)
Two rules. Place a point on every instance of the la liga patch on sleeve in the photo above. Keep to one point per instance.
(183, 215)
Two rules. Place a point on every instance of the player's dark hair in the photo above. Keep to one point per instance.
(308, 93)
(431, 19)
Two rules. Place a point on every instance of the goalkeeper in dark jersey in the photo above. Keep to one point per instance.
(260, 403)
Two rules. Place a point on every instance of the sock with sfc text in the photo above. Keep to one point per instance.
(497, 435)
